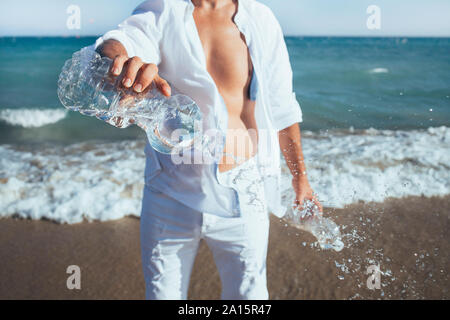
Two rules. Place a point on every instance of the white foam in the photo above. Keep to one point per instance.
(32, 118)
(379, 70)
(83, 181)
(375, 164)
(104, 181)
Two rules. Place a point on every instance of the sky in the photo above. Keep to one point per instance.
(297, 17)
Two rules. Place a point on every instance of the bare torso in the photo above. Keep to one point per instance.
(229, 64)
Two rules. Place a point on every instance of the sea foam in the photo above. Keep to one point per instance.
(104, 181)
(372, 165)
(379, 70)
(32, 118)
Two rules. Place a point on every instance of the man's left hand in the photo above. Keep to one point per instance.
(304, 192)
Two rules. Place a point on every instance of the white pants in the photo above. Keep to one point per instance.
(171, 232)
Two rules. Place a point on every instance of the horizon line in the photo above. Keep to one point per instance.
(287, 35)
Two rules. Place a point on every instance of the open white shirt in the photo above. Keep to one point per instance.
(164, 32)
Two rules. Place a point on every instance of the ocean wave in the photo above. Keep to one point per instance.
(371, 165)
(379, 70)
(73, 183)
(32, 118)
(105, 181)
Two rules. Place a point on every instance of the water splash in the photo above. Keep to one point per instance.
(324, 229)
(310, 219)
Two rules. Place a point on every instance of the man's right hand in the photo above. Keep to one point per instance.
(138, 75)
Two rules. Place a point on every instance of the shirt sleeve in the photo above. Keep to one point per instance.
(285, 107)
(140, 35)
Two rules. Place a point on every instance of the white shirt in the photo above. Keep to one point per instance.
(164, 32)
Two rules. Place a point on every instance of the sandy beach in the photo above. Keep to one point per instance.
(408, 238)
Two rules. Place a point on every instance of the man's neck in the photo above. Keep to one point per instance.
(211, 4)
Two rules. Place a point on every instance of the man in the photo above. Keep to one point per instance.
(230, 57)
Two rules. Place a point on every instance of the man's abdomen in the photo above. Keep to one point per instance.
(241, 137)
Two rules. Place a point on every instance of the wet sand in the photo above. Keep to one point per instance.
(408, 238)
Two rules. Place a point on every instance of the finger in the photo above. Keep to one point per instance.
(319, 205)
(317, 202)
(133, 66)
(163, 86)
(145, 77)
(299, 202)
(118, 121)
(117, 65)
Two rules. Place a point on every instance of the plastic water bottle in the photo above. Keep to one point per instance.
(86, 85)
(311, 220)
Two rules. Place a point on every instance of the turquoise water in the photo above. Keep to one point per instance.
(384, 83)
(399, 87)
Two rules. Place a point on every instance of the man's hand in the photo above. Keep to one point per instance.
(138, 75)
(303, 191)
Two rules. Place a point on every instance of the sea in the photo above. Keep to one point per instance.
(376, 124)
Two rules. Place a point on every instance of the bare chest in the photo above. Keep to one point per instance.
(227, 56)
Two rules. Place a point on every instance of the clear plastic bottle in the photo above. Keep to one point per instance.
(311, 220)
(85, 85)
